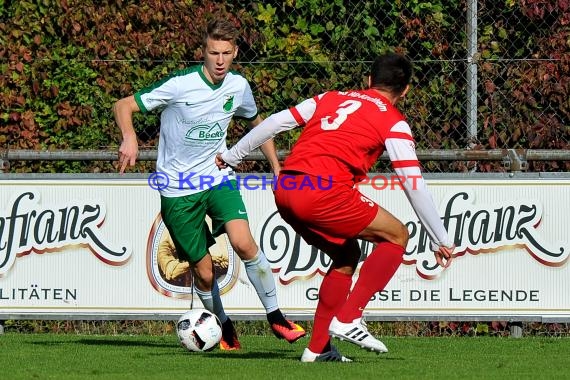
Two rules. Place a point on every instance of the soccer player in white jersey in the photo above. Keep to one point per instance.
(197, 105)
(344, 134)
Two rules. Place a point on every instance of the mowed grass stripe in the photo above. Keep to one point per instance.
(66, 356)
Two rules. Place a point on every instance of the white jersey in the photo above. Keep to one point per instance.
(193, 126)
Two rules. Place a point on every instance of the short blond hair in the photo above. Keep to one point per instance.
(220, 30)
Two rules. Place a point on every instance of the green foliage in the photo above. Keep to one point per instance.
(539, 86)
(64, 63)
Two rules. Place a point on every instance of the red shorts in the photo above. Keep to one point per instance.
(318, 209)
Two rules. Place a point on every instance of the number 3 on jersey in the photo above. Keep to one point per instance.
(344, 109)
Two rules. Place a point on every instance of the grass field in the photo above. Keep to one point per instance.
(70, 356)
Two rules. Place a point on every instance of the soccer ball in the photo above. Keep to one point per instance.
(199, 330)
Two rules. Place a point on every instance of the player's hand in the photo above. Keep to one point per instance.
(128, 152)
(444, 256)
(276, 170)
(220, 163)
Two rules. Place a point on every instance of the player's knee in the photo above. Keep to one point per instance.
(402, 236)
(245, 248)
(204, 282)
(203, 277)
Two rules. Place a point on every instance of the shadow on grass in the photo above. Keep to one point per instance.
(245, 355)
(391, 358)
(242, 354)
(107, 342)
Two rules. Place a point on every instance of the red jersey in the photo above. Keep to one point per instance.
(345, 136)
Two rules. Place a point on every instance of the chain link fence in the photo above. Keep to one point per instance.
(493, 76)
(489, 76)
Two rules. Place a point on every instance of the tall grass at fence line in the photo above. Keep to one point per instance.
(261, 328)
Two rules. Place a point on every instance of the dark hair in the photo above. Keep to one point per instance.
(220, 30)
(391, 72)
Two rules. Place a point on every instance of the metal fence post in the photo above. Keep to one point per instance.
(516, 329)
(471, 72)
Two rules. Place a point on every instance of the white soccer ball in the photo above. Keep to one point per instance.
(199, 330)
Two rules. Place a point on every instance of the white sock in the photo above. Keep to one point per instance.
(212, 301)
(260, 275)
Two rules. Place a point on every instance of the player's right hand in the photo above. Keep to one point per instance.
(128, 152)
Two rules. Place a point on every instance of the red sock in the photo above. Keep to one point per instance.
(375, 273)
(332, 295)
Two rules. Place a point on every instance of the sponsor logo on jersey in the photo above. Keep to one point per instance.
(205, 132)
(228, 103)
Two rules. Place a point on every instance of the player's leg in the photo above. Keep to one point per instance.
(337, 216)
(207, 286)
(320, 217)
(228, 213)
(185, 219)
(390, 236)
(209, 293)
(333, 292)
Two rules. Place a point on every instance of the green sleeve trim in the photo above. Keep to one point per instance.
(140, 102)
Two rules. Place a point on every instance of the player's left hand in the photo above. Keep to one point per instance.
(220, 163)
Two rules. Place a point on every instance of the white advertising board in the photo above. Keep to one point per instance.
(92, 248)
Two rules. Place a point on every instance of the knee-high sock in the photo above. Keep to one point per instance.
(260, 275)
(332, 295)
(212, 301)
(375, 273)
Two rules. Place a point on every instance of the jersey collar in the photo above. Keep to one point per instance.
(207, 81)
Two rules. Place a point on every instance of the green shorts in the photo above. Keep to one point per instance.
(185, 218)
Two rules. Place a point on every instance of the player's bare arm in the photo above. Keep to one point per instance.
(123, 111)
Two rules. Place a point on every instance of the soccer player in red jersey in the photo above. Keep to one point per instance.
(344, 134)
